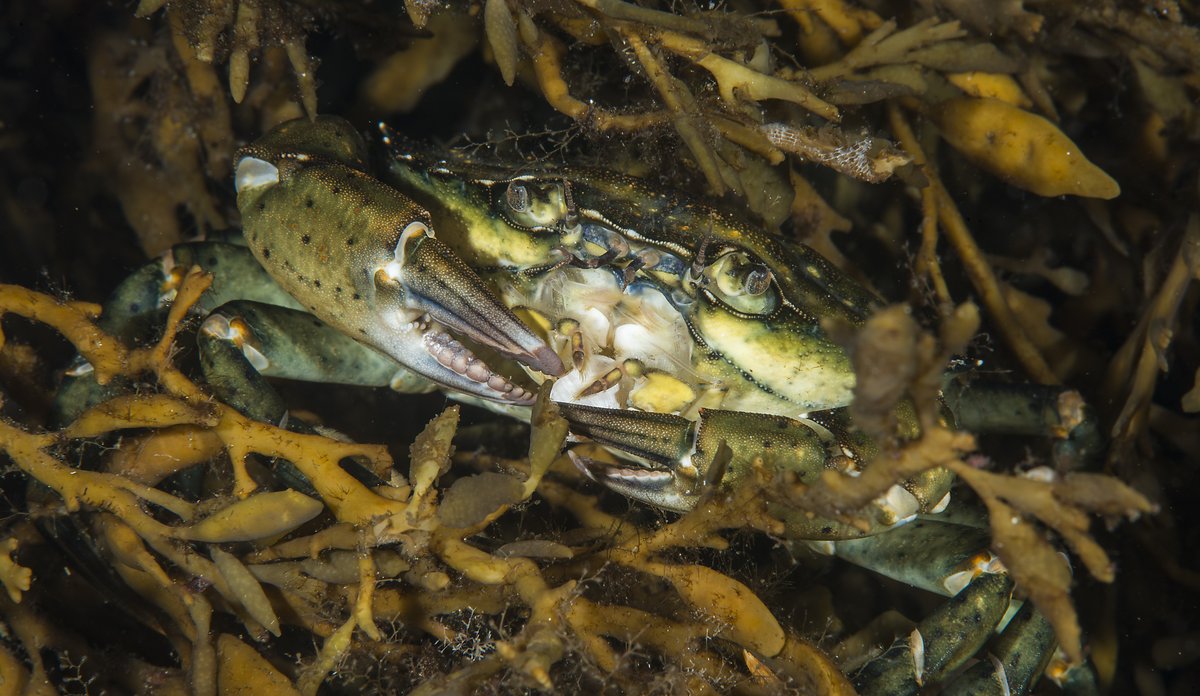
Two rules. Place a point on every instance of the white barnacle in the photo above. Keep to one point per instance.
(80, 367)
(897, 506)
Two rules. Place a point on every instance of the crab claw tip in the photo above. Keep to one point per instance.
(547, 361)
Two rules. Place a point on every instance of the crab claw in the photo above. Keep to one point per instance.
(681, 459)
(425, 287)
(660, 442)
(440, 283)
(363, 258)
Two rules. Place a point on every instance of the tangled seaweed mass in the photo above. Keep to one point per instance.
(1035, 157)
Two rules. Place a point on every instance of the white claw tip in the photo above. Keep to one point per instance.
(941, 505)
(916, 643)
(823, 547)
(256, 359)
(254, 173)
(392, 269)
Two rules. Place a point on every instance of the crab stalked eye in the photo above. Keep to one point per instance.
(533, 204)
(254, 173)
(742, 282)
(758, 280)
(517, 197)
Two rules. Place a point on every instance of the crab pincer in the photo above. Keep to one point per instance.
(363, 258)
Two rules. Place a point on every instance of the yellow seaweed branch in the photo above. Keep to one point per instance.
(973, 259)
(13, 575)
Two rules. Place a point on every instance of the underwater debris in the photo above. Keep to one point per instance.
(864, 158)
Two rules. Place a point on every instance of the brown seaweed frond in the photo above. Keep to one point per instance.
(276, 558)
(1136, 366)
(722, 84)
(1022, 508)
(982, 96)
(238, 32)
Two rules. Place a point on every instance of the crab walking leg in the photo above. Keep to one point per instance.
(1019, 657)
(135, 311)
(983, 406)
(242, 343)
(948, 558)
(942, 642)
(678, 457)
(364, 259)
(292, 344)
(929, 553)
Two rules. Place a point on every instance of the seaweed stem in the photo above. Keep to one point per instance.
(973, 259)
(546, 53)
(927, 258)
(677, 98)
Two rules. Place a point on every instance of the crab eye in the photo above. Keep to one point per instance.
(742, 282)
(757, 281)
(533, 205)
(517, 197)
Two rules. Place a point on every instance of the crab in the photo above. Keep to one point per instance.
(681, 337)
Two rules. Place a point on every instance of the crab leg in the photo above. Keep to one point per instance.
(679, 458)
(136, 308)
(952, 559)
(930, 553)
(984, 406)
(1019, 655)
(291, 344)
(243, 342)
(941, 643)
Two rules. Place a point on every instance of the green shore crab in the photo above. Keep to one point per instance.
(678, 326)
(682, 337)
